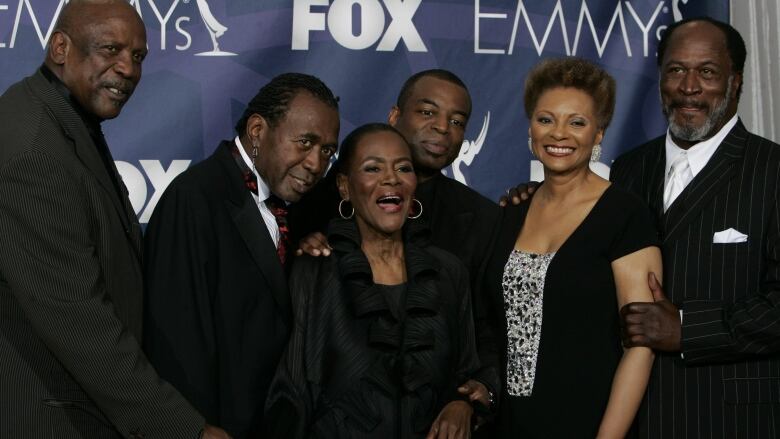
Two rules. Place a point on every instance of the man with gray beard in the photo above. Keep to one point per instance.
(714, 189)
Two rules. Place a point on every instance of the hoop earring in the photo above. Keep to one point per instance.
(595, 155)
(530, 145)
(341, 214)
(419, 214)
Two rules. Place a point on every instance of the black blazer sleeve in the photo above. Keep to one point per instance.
(48, 240)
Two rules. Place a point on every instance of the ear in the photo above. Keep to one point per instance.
(59, 45)
(599, 137)
(392, 117)
(256, 128)
(736, 85)
(341, 182)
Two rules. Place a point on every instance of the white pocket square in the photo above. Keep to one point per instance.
(729, 236)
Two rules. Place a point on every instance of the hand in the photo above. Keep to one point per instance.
(518, 194)
(212, 432)
(476, 391)
(453, 422)
(315, 244)
(654, 325)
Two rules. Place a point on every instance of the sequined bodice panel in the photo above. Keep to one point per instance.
(523, 285)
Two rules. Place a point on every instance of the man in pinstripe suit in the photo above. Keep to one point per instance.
(714, 187)
(70, 270)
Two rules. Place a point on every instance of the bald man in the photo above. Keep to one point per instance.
(70, 267)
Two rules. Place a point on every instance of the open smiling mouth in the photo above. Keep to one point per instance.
(558, 151)
(390, 203)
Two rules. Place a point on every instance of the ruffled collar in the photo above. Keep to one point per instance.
(404, 337)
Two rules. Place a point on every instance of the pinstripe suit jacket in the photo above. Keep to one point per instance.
(727, 383)
(71, 286)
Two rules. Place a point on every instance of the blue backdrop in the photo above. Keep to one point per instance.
(209, 57)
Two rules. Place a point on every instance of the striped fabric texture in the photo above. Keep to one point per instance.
(726, 384)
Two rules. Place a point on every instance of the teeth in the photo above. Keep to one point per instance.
(390, 199)
(559, 150)
(115, 91)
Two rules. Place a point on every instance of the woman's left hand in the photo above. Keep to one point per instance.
(453, 422)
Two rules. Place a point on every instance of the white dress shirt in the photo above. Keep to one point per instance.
(698, 154)
(264, 192)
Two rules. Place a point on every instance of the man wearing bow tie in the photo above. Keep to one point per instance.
(217, 306)
(714, 188)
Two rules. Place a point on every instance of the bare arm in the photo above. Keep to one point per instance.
(630, 381)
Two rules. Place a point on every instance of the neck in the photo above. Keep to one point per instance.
(562, 186)
(378, 245)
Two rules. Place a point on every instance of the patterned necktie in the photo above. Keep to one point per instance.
(275, 204)
(680, 175)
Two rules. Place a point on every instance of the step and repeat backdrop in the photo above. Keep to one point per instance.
(208, 58)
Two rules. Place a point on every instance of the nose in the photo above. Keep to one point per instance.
(690, 83)
(127, 67)
(441, 123)
(558, 131)
(390, 177)
(315, 161)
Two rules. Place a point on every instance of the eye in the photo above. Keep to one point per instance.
(139, 57)
(371, 168)
(579, 122)
(457, 123)
(306, 143)
(707, 72)
(407, 168)
(327, 151)
(544, 120)
(110, 48)
(676, 70)
(426, 112)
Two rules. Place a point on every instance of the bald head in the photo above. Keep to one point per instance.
(96, 50)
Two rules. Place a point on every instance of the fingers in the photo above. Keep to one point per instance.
(434, 431)
(315, 244)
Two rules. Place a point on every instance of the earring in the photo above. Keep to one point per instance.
(530, 145)
(412, 214)
(341, 214)
(595, 155)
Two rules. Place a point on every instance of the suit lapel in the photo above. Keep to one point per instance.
(721, 168)
(87, 153)
(249, 223)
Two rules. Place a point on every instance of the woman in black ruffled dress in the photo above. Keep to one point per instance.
(383, 330)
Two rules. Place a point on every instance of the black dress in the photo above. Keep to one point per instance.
(367, 360)
(560, 387)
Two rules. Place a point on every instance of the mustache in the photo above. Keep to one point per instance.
(688, 103)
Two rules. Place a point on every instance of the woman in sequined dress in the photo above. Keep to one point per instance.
(565, 261)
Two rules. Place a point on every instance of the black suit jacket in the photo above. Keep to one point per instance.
(70, 285)
(728, 383)
(217, 306)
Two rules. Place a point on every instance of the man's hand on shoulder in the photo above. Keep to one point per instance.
(315, 244)
(518, 194)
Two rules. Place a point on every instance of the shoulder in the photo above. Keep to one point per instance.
(465, 194)
(26, 126)
(640, 153)
(620, 203)
(206, 178)
(450, 266)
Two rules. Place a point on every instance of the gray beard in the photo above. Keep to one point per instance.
(693, 134)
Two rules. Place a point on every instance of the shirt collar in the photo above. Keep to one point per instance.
(263, 190)
(700, 153)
